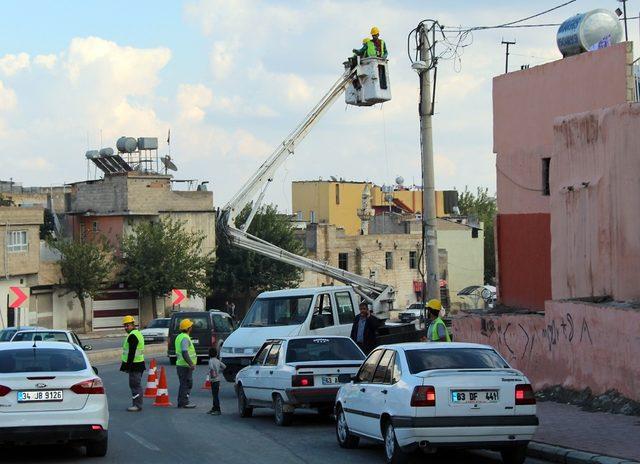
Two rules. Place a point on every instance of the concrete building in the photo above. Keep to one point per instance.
(48, 197)
(19, 257)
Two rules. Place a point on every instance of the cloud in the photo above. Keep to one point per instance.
(11, 64)
(192, 100)
(46, 61)
(8, 99)
(221, 59)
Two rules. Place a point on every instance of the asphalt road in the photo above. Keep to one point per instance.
(104, 343)
(170, 435)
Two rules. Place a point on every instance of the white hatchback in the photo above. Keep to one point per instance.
(49, 393)
(432, 395)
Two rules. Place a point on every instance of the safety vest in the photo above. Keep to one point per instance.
(180, 361)
(434, 330)
(139, 355)
(372, 51)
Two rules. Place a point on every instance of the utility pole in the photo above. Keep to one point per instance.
(506, 58)
(430, 236)
(624, 17)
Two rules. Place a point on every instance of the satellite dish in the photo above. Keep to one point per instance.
(333, 178)
(399, 180)
(168, 164)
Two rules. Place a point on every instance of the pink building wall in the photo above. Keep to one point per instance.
(573, 344)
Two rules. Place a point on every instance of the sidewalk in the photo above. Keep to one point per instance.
(596, 432)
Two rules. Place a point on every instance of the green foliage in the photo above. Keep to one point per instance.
(47, 228)
(484, 207)
(240, 274)
(160, 256)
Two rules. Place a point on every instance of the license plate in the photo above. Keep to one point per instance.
(474, 396)
(330, 380)
(195, 342)
(149, 339)
(42, 395)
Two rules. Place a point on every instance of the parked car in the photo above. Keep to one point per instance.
(50, 394)
(415, 311)
(49, 335)
(210, 328)
(157, 331)
(431, 395)
(297, 372)
(316, 312)
(6, 334)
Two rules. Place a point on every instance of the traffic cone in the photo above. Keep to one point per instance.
(207, 383)
(152, 381)
(162, 394)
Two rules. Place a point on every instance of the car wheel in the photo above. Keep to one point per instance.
(515, 455)
(172, 361)
(392, 450)
(243, 405)
(98, 448)
(345, 438)
(282, 418)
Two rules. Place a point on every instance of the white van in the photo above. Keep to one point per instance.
(288, 313)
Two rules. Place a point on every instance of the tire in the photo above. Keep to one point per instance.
(243, 408)
(98, 448)
(345, 438)
(282, 418)
(172, 361)
(392, 451)
(515, 455)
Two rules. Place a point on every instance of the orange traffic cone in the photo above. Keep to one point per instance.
(152, 381)
(162, 394)
(207, 383)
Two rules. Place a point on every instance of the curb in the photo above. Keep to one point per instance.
(111, 355)
(563, 455)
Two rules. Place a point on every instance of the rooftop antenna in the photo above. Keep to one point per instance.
(506, 57)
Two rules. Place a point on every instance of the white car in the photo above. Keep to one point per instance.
(49, 335)
(49, 393)
(431, 395)
(297, 372)
(157, 330)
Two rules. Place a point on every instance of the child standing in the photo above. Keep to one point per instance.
(215, 370)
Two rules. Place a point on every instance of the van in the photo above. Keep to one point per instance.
(210, 328)
(316, 311)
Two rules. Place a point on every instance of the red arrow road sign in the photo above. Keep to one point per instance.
(20, 296)
(178, 296)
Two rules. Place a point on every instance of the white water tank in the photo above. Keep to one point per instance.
(371, 84)
(585, 31)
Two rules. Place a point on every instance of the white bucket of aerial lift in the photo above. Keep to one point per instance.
(371, 84)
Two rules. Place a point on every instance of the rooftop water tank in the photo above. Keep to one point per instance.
(583, 31)
(127, 144)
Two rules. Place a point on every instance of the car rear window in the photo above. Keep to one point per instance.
(323, 349)
(200, 321)
(158, 324)
(222, 323)
(41, 360)
(41, 336)
(454, 358)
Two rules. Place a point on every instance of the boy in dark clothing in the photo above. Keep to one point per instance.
(215, 372)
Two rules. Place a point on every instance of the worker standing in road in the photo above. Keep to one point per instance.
(437, 330)
(378, 44)
(133, 361)
(185, 363)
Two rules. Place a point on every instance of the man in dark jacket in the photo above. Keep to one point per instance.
(363, 331)
(133, 361)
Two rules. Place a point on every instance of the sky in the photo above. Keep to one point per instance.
(231, 78)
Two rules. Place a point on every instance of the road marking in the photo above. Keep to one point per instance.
(143, 442)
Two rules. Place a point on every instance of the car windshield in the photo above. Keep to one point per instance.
(41, 360)
(200, 321)
(159, 324)
(6, 334)
(222, 323)
(269, 312)
(323, 349)
(454, 358)
(40, 336)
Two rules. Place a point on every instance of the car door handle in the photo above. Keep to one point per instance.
(363, 390)
(257, 372)
(384, 392)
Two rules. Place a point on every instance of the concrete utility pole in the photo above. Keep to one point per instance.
(430, 239)
(506, 57)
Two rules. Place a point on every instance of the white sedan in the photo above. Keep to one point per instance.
(157, 331)
(431, 395)
(297, 372)
(49, 393)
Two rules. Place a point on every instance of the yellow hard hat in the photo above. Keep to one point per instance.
(434, 304)
(185, 324)
(128, 320)
(375, 31)
(365, 40)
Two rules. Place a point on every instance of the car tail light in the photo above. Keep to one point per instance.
(524, 394)
(302, 381)
(423, 396)
(89, 387)
(96, 427)
(4, 390)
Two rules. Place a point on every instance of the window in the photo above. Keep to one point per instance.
(222, 323)
(546, 165)
(312, 217)
(474, 232)
(262, 354)
(454, 358)
(300, 216)
(270, 312)
(346, 311)
(40, 336)
(94, 226)
(343, 261)
(200, 321)
(272, 357)
(337, 194)
(322, 312)
(41, 360)
(383, 369)
(323, 349)
(413, 260)
(365, 374)
(388, 260)
(17, 241)
(397, 372)
(159, 324)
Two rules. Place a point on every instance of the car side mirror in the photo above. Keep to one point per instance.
(95, 369)
(87, 347)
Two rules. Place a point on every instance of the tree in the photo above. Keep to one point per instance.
(48, 227)
(160, 256)
(86, 269)
(484, 207)
(240, 275)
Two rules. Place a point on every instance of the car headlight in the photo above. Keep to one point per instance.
(226, 349)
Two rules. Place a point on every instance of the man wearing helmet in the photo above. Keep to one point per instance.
(185, 363)
(133, 361)
(437, 330)
(379, 44)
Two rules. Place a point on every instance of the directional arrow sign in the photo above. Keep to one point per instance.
(178, 296)
(21, 295)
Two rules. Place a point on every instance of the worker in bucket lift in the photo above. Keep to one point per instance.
(362, 52)
(378, 44)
